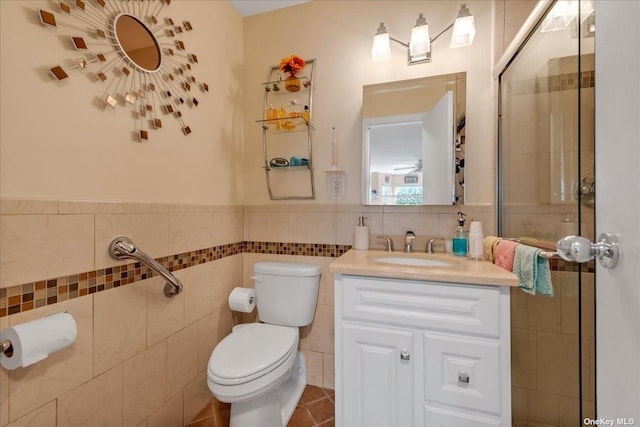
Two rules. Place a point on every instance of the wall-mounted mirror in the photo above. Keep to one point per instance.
(413, 141)
(137, 42)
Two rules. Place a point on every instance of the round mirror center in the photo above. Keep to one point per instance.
(137, 42)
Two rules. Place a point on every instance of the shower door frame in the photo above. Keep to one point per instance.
(527, 31)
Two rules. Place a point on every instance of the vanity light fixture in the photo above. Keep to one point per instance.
(565, 13)
(420, 42)
(464, 29)
(381, 49)
(419, 46)
(560, 16)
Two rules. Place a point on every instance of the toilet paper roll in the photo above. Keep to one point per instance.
(242, 299)
(35, 340)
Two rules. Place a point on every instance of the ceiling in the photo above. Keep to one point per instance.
(395, 148)
(255, 7)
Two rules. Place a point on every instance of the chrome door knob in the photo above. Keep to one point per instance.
(580, 249)
(405, 355)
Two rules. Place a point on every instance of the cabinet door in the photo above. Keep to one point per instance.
(378, 380)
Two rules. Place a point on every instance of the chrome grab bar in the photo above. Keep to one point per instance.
(123, 248)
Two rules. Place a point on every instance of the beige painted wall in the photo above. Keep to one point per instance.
(339, 35)
(59, 140)
(509, 15)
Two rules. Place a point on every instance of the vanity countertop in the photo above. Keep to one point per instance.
(458, 270)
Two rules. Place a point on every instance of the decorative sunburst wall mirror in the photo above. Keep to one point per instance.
(134, 54)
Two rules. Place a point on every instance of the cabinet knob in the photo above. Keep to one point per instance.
(463, 377)
(405, 355)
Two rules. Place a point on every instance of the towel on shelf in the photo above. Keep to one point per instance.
(504, 254)
(532, 271)
(490, 245)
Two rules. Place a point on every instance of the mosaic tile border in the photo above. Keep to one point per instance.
(555, 83)
(20, 298)
(557, 264)
(306, 249)
(568, 81)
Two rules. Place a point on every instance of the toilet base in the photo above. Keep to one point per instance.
(273, 409)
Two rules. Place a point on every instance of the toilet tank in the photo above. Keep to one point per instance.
(286, 293)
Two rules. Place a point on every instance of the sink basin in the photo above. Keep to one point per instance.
(416, 262)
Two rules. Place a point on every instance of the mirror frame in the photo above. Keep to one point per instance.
(126, 53)
(152, 94)
(373, 114)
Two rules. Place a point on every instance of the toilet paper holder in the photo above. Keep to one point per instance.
(6, 348)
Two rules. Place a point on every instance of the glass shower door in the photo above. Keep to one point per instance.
(546, 191)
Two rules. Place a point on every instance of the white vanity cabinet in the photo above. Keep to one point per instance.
(421, 353)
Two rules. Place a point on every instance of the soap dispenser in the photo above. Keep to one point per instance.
(460, 238)
(361, 235)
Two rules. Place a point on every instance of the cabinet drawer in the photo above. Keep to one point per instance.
(442, 417)
(462, 372)
(425, 305)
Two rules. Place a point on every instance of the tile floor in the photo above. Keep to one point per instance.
(316, 408)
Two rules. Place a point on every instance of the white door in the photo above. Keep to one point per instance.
(618, 208)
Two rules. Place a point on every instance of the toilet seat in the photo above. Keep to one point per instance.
(251, 352)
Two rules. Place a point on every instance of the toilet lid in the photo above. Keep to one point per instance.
(251, 350)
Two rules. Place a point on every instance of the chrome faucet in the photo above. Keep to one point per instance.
(408, 241)
(389, 243)
(429, 248)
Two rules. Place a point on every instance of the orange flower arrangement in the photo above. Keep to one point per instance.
(292, 64)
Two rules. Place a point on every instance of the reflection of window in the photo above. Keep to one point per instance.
(409, 195)
(386, 196)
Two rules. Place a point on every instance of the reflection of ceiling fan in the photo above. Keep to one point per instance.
(417, 168)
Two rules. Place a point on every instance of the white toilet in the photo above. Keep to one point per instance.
(258, 368)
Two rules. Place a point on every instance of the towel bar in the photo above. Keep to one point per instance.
(537, 244)
(549, 255)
